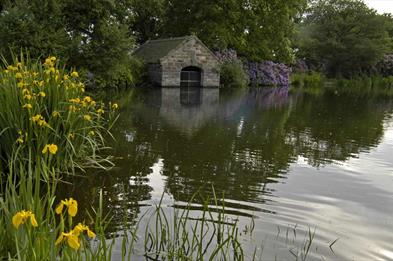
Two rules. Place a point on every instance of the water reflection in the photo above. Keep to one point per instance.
(188, 109)
(248, 144)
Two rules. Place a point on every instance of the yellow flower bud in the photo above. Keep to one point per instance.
(75, 74)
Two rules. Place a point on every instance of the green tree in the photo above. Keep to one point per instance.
(92, 35)
(346, 36)
(35, 26)
(257, 29)
(105, 43)
(147, 19)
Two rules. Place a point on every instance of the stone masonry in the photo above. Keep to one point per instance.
(188, 51)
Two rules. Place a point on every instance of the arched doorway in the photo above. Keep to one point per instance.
(191, 76)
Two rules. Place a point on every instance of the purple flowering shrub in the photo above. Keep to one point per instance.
(265, 73)
(268, 73)
(385, 67)
(227, 56)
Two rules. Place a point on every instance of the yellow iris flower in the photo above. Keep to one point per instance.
(39, 119)
(72, 237)
(55, 114)
(72, 240)
(75, 74)
(21, 84)
(27, 106)
(71, 204)
(87, 99)
(21, 218)
(115, 106)
(81, 228)
(87, 117)
(51, 148)
(12, 68)
(75, 100)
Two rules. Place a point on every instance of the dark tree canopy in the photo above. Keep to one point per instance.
(92, 35)
(257, 29)
(346, 36)
(99, 36)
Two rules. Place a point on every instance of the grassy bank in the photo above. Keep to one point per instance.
(315, 83)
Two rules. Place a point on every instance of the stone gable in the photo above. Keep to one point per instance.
(189, 52)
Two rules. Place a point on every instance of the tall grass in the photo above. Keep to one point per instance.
(44, 104)
(307, 80)
(365, 86)
(24, 191)
(48, 126)
(210, 236)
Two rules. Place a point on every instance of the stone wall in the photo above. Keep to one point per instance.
(192, 53)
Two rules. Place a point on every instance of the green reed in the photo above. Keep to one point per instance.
(45, 113)
(180, 236)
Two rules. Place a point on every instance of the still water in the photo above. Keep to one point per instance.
(289, 161)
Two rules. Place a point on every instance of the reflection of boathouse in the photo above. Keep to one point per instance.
(181, 61)
(188, 108)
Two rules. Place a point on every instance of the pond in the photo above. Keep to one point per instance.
(288, 162)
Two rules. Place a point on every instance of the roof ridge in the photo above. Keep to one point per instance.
(169, 39)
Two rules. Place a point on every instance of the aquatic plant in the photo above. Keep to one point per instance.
(46, 113)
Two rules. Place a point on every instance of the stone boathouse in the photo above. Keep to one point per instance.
(181, 61)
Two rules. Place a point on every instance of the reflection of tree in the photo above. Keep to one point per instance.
(126, 185)
(242, 142)
(230, 153)
(334, 127)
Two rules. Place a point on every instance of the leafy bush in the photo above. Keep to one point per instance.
(47, 114)
(233, 75)
(232, 72)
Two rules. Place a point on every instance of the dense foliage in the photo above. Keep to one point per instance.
(92, 35)
(99, 36)
(258, 30)
(344, 37)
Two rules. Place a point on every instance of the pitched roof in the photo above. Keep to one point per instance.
(152, 51)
